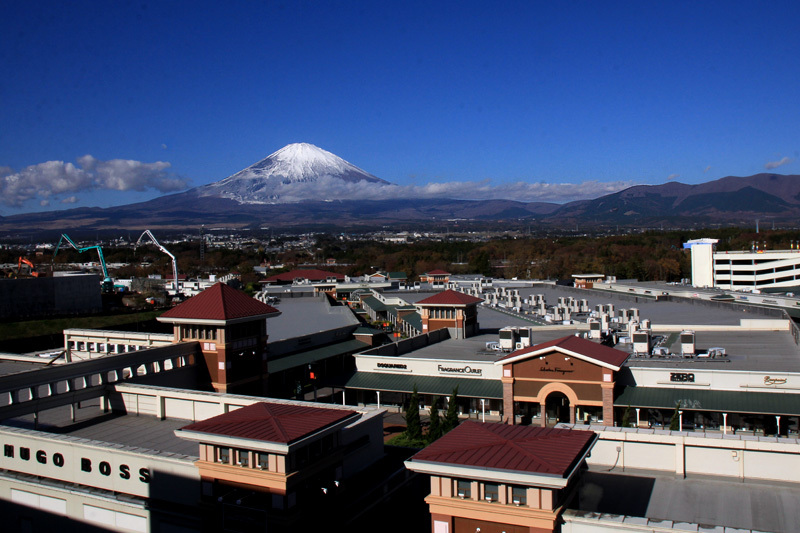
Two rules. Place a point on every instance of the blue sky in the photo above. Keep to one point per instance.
(107, 103)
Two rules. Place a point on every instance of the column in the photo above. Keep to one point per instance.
(543, 413)
(608, 404)
(508, 398)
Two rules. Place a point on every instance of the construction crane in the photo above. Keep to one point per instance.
(23, 261)
(160, 247)
(108, 283)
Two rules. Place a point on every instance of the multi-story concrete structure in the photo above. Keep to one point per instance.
(753, 270)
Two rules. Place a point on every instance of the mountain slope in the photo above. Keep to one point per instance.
(727, 200)
(267, 181)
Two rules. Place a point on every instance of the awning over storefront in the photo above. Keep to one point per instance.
(773, 403)
(318, 354)
(442, 386)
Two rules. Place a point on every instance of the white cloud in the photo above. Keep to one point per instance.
(673, 176)
(775, 164)
(70, 200)
(57, 178)
(707, 168)
(331, 188)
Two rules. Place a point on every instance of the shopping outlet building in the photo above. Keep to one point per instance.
(126, 441)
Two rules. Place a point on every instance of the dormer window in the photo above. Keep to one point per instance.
(224, 455)
(263, 461)
(519, 495)
(244, 458)
(491, 492)
(464, 489)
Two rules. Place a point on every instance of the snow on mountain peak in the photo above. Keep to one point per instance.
(279, 174)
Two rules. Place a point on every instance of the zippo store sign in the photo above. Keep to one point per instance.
(75, 463)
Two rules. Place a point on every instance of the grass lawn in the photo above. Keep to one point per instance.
(35, 328)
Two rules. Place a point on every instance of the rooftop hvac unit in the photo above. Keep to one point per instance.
(526, 337)
(595, 329)
(687, 343)
(508, 338)
(519, 346)
(641, 342)
(646, 323)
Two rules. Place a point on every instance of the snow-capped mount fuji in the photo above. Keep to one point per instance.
(295, 172)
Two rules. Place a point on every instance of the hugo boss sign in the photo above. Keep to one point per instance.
(87, 465)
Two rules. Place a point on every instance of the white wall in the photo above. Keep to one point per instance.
(684, 453)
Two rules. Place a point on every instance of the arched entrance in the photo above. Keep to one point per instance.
(557, 408)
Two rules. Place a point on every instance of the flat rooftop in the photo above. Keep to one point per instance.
(677, 502)
(307, 315)
(8, 367)
(91, 423)
(746, 350)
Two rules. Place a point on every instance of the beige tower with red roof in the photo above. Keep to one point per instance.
(492, 477)
(272, 464)
(452, 310)
(231, 329)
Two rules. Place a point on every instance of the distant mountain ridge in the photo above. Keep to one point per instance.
(290, 187)
(725, 200)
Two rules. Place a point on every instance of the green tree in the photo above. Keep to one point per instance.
(451, 417)
(413, 423)
(626, 417)
(674, 421)
(435, 427)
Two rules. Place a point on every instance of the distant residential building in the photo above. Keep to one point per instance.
(586, 281)
(435, 277)
(304, 276)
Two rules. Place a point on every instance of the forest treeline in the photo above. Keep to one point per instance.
(647, 256)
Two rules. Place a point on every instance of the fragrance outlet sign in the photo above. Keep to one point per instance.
(428, 367)
(75, 463)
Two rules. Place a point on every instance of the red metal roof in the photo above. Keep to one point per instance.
(437, 273)
(578, 345)
(530, 449)
(220, 302)
(271, 422)
(450, 297)
(309, 274)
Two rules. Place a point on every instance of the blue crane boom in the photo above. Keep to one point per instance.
(108, 283)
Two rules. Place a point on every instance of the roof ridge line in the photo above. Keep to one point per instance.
(278, 425)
